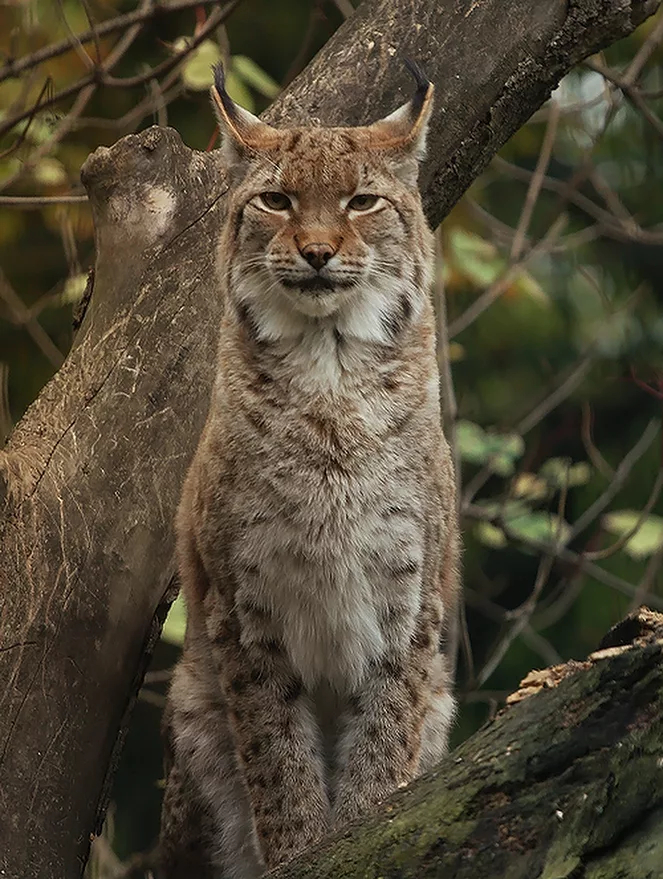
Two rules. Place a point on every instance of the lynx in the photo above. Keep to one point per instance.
(317, 534)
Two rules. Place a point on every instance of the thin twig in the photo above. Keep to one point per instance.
(93, 28)
(447, 393)
(31, 202)
(644, 53)
(558, 395)
(480, 514)
(534, 188)
(23, 317)
(75, 42)
(627, 535)
(6, 423)
(653, 567)
(147, 12)
(523, 614)
(82, 99)
(502, 284)
(593, 453)
(631, 91)
(610, 225)
(344, 7)
(315, 16)
(536, 414)
(101, 75)
(621, 475)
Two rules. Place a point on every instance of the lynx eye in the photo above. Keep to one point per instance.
(362, 202)
(275, 201)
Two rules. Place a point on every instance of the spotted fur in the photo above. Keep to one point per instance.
(317, 532)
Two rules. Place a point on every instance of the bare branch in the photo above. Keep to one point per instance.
(578, 560)
(618, 480)
(147, 12)
(534, 187)
(502, 284)
(36, 202)
(101, 75)
(644, 513)
(23, 317)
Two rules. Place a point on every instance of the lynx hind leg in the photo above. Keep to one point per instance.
(208, 774)
(186, 831)
(439, 716)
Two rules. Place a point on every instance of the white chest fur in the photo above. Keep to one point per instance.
(337, 576)
(334, 556)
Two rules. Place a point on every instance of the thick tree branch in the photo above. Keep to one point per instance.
(565, 784)
(91, 475)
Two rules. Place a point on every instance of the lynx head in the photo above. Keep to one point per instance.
(326, 221)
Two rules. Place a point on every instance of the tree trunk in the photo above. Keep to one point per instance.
(566, 784)
(91, 475)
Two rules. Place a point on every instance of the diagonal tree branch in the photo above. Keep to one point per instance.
(566, 782)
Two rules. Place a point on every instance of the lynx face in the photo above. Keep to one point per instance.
(325, 221)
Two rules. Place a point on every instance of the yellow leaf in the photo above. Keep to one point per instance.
(50, 172)
(197, 71)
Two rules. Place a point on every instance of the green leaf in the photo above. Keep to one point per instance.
(470, 441)
(73, 290)
(248, 71)
(527, 284)
(541, 526)
(50, 172)
(239, 92)
(530, 486)
(474, 257)
(495, 450)
(561, 473)
(197, 71)
(175, 625)
(490, 535)
(646, 540)
(8, 168)
(519, 520)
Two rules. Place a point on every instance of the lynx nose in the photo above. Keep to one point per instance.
(317, 255)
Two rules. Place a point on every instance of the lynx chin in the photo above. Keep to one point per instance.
(317, 537)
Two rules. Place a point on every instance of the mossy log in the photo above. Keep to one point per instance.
(565, 783)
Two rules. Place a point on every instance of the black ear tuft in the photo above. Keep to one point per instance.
(219, 77)
(220, 88)
(423, 84)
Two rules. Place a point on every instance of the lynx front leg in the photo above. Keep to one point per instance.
(278, 745)
(207, 827)
(386, 727)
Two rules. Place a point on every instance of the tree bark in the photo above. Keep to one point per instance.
(566, 784)
(91, 475)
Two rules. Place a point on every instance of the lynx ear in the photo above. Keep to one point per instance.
(403, 132)
(242, 133)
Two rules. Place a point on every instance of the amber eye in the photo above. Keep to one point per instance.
(275, 201)
(362, 202)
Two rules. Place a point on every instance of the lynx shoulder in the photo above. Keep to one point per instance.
(317, 532)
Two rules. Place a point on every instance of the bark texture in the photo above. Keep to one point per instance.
(91, 475)
(566, 784)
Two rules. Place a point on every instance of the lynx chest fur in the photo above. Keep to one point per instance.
(317, 534)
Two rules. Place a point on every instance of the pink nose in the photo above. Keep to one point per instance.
(317, 255)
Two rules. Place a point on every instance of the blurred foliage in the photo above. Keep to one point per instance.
(576, 309)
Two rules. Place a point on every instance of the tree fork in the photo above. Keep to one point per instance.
(91, 475)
